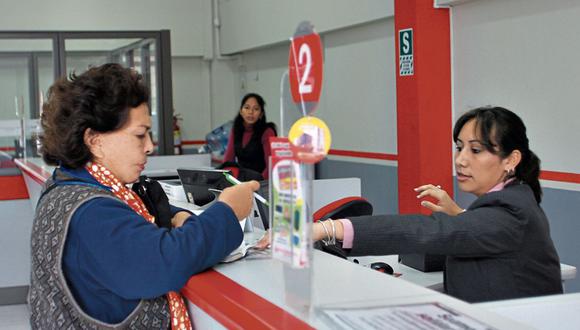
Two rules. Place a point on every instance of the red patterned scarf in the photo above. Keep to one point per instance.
(179, 316)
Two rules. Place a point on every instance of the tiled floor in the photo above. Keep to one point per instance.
(14, 317)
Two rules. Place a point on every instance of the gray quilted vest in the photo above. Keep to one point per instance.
(51, 302)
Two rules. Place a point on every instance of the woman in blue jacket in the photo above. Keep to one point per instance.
(99, 256)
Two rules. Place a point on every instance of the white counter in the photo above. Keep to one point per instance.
(249, 294)
(560, 312)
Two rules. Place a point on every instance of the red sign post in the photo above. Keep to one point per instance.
(305, 68)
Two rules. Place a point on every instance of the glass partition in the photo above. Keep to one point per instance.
(26, 72)
(31, 61)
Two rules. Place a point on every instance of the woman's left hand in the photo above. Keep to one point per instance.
(445, 204)
(179, 218)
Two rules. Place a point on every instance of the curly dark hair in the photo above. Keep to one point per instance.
(99, 99)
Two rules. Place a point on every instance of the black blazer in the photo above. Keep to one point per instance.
(500, 248)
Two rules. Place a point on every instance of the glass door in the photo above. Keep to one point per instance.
(27, 69)
(31, 61)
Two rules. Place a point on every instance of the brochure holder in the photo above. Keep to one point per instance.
(291, 222)
(292, 166)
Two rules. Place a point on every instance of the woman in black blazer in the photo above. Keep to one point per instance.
(498, 248)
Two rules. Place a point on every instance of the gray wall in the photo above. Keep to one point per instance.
(562, 207)
(563, 210)
(378, 182)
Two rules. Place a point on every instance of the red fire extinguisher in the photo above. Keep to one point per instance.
(177, 149)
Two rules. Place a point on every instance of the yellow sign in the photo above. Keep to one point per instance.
(311, 138)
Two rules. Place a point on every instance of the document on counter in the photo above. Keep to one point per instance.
(247, 248)
(414, 316)
(238, 253)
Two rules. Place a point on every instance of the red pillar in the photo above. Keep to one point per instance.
(424, 115)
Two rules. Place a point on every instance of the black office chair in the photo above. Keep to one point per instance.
(343, 208)
(241, 173)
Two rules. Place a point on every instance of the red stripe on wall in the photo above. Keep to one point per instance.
(236, 307)
(362, 154)
(560, 176)
(546, 175)
(13, 187)
(7, 148)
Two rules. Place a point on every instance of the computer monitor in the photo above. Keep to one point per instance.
(198, 182)
(263, 210)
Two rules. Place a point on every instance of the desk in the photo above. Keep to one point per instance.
(549, 312)
(434, 280)
(249, 294)
(431, 280)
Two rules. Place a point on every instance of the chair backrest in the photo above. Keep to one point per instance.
(344, 208)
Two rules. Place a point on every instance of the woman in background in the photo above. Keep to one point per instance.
(248, 144)
(100, 259)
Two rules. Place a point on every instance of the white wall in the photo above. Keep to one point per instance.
(205, 93)
(523, 54)
(191, 97)
(255, 23)
(188, 20)
(358, 52)
(358, 97)
(225, 90)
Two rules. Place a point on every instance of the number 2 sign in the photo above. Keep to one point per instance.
(305, 67)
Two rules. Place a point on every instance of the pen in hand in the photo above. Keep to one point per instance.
(233, 180)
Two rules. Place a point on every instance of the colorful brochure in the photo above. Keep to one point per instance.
(288, 209)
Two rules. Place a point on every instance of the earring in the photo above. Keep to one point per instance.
(511, 172)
